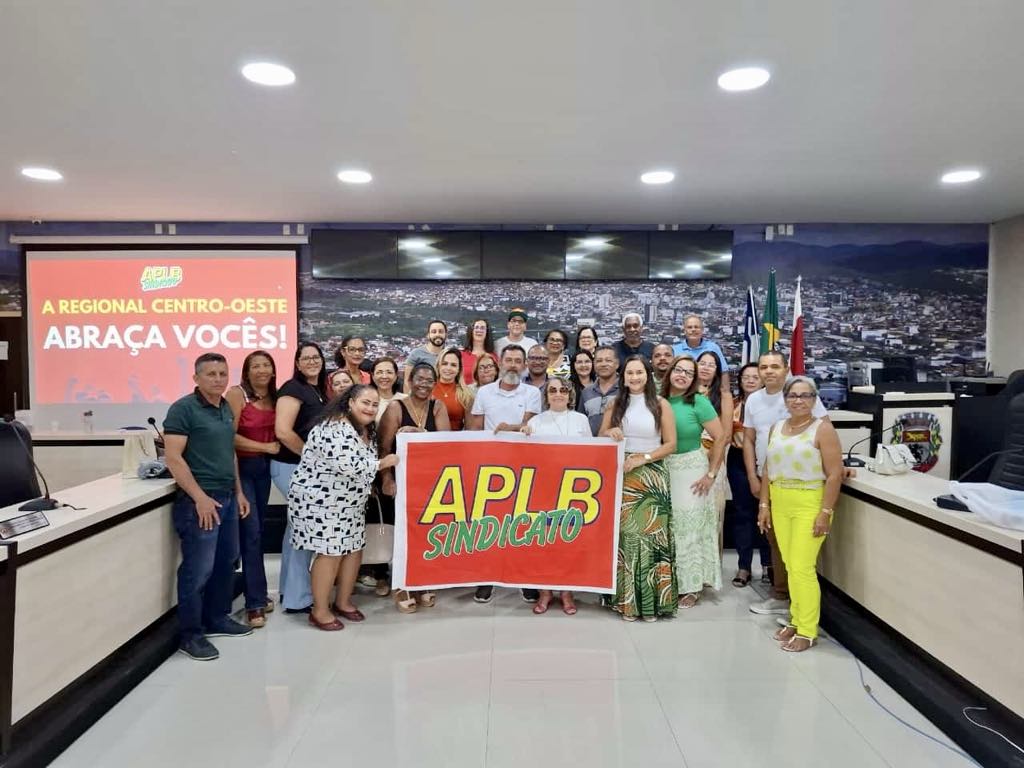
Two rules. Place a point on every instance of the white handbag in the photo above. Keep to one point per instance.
(139, 447)
(893, 459)
(380, 538)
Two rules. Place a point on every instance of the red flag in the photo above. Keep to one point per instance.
(796, 355)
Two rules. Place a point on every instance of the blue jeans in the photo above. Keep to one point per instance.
(207, 567)
(296, 589)
(745, 530)
(254, 475)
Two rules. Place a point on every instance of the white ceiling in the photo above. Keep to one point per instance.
(527, 111)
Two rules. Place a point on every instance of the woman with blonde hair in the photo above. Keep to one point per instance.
(450, 390)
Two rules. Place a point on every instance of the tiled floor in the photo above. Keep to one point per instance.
(464, 684)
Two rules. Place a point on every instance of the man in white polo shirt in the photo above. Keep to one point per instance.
(504, 406)
(762, 410)
(508, 403)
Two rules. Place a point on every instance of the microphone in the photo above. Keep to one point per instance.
(851, 460)
(949, 501)
(36, 505)
(159, 435)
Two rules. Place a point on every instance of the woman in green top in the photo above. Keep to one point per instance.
(694, 514)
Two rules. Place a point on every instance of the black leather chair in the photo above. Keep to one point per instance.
(18, 480)
(1009, 467)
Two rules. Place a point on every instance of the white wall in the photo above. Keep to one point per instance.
(1006, 295)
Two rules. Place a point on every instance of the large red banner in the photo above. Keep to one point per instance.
(475, 508)
(125, 326)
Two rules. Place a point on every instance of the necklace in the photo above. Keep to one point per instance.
(794, 427)
(419, 418)
(562, 425)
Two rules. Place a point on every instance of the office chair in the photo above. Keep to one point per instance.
(1009, 468)
(18, 480)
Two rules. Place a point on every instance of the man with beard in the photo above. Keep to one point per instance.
(437, 334)
(597, 396)
(537, 366)
(661, 359)
(632, 341)
(504, 406)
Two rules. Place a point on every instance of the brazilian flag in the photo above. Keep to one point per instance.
(770, 318)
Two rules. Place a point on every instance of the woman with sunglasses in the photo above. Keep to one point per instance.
(804, 469)
(449, 389)
(712, 385)
(350, 356)
(691, 476)
(558, 419)
(417, 412)
(479, 344)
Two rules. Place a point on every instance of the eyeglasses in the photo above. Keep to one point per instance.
(423, 380)
(309, 359)
(356, 350)
(683, 372)
(558, 391)
(536, 359)
(808, 396)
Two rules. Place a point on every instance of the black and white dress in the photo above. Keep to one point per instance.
(329, 490)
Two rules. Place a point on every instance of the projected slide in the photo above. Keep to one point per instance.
(124, 327)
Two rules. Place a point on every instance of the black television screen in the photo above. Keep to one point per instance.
(354, 254)
(691, 255)
(606, 256)
(523, 255)
(439, 256)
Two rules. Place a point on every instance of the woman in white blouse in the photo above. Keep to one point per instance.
(558, 419)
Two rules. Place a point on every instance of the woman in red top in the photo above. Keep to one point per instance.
(252, 403)
(449, 389)
(479, 343)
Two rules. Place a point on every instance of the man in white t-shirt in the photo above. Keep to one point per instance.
(505, 406)
(761, 410)
(517, 321)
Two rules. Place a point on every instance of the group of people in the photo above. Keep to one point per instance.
(327, 442)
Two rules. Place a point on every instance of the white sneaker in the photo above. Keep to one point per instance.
(771, 606)
(367, 580)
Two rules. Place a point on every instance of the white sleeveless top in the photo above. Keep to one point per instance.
(642, 436)
(794, 457)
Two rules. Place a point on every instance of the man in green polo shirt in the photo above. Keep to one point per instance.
(199, 435)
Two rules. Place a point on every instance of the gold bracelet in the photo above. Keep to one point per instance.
(829, 511)
(763, 505)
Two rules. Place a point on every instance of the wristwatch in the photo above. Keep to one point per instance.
(711, 474)
(648, 458)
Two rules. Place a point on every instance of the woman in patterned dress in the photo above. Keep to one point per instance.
(646, 585)
(327, 498)
(691, 477)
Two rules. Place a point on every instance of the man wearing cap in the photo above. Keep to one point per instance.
(632, 341)
(517, 321)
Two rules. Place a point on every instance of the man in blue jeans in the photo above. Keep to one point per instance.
(199, 436)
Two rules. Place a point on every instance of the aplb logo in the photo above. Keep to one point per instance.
(922, 433)
(158, 278)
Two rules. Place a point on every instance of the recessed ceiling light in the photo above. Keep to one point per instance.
(657, 177)
(743, 79)
(443, 273)
(42, 174)
(962, 176)
(593, 242)
(573, 256)
(413, 244)
(692, 266)
(665, 274)
(268, 73)
(355, 177)
(432, 260)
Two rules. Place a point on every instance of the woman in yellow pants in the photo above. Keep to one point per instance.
(805, 471)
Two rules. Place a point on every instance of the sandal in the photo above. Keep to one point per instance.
(739, 580)
(541, 606)
(383, 588)
(354, 615)
(688, 600)
(568, 607)
(799, 644)
(785, 634)
(427, 599)
(326, 626)
(627, 617)
(406, 604)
